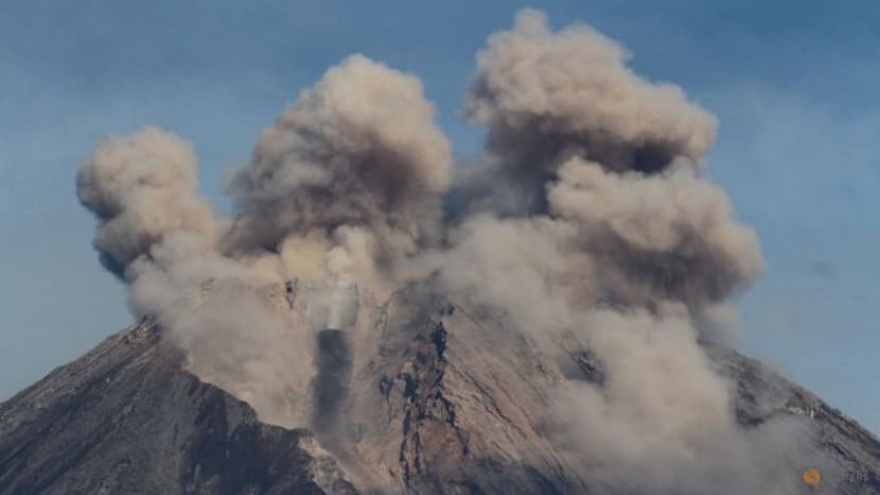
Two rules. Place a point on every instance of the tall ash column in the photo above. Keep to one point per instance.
(331, 310)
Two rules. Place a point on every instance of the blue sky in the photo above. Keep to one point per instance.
(796, 86)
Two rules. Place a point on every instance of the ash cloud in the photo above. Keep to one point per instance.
(586, 224)
(655, 237)
(545, 96)
(359, 152)
(347, 183)
(143, 188)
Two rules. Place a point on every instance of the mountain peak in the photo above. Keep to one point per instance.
(448, 414)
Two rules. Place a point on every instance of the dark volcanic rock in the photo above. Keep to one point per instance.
(124, 419)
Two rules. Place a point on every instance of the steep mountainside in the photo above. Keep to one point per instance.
(127, 419)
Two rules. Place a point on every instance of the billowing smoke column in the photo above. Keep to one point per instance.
(587, 224)
(345, 185)
(144, 189)
(589, 143)
(619, 245)
(545, 94)
(356, 156)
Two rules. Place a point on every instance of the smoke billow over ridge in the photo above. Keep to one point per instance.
(588, 221)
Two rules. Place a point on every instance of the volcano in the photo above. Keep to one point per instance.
(452, 416)
(375, 317)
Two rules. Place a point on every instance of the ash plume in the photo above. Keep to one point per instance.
(359, 151)
(587, 224)
(587, 142)
(654, 237)
(143, 188)
(545, 96)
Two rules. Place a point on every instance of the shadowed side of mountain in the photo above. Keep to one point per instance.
(126, 419)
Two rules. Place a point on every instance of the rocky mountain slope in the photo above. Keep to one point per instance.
(125, 418)
(456, 417)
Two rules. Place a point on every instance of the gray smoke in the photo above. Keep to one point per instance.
(586, 141)
(544, 94)
(347, 181)
(618, 244)
(358, 151)
(586, 225)
(668, 235)
(143, 189)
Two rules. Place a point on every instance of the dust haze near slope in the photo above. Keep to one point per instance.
(589, 226)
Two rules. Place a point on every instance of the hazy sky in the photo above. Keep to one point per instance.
(796, 86)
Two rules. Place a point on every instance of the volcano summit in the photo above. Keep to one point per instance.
(552, 317)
